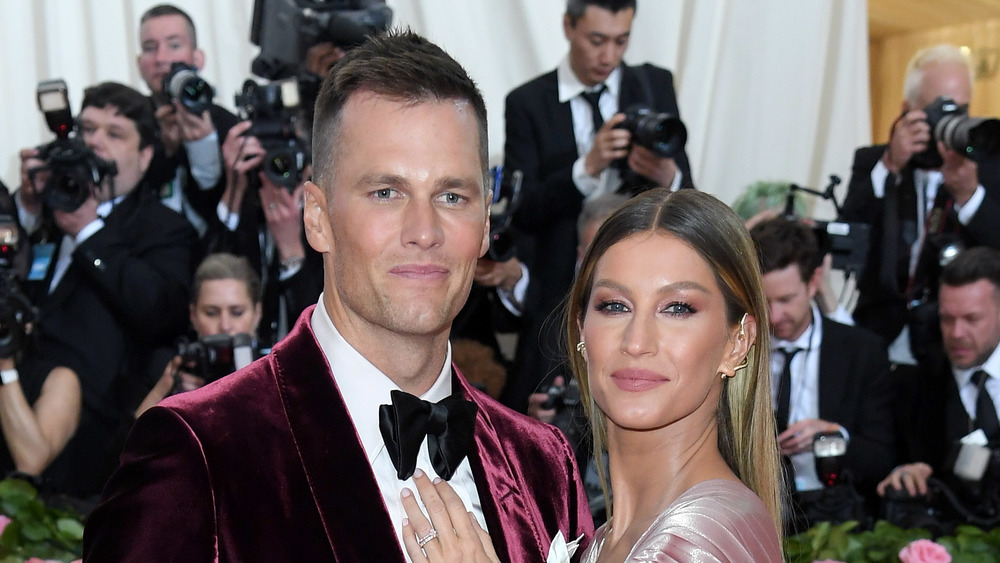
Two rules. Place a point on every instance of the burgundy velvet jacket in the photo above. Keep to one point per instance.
(265, 465)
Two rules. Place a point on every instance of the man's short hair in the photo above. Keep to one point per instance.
(576, 8)
(938, 54)
(398, 65)
(161, 10)
(782, 242)
(129, 103)
(972, 265)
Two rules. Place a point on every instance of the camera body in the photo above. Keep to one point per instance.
(217, 355)
(662, 133)
(975, 138)
(273, 109)
(285, 29)
(16, 311)
(183, 83)
(506, 200)
(73, 168)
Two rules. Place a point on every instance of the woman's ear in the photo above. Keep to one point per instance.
(742, 337)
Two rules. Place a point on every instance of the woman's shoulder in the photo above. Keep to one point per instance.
(715, 520)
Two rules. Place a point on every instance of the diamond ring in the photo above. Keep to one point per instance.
(430, 535)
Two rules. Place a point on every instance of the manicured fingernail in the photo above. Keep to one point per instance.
(418, 473)
(438, 480)
(406, 522)
(406, 492)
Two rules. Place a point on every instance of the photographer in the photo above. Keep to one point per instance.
(226, 296)
(187, 167)
(563, 132)
(958, 390)
(112, 273)
(37, 415)
(919, 196)
(826, 377)
(262, 221)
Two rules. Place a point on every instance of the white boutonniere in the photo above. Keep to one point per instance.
(560, 551)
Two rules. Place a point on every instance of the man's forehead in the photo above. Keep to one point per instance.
(172, 24)
(108, 114)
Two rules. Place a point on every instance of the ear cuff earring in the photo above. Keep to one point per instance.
(581, 347)
(746, 360)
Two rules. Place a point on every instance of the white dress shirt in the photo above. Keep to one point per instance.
(803, 400)
(967, 389)
(364, 388)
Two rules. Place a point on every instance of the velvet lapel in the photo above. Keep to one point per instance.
(343, 485)
(834, 373)
(508, 513)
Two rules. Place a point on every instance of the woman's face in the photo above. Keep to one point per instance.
(656, 335)
(224, 307)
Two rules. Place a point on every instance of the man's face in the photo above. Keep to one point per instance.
(113, 136)
(404, 219)
(970, 322)
(165, 40)
(789, 300)
(597, 42)
(944, 79)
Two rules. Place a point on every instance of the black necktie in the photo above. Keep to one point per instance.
(448, 426)
(594, 99)
(785, 390)
(986, 412)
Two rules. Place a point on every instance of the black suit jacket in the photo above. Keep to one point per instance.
(541, 144)
(882, 307)
(856, 392)
(125, 292)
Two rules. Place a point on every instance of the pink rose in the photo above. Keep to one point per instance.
(4, 520)
(924, 551)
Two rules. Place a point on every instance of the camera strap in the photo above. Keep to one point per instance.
(934, 224)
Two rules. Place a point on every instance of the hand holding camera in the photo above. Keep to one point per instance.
(910, 135)
(610, 144)
(183, 115)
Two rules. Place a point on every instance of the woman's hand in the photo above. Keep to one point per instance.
(452, 534)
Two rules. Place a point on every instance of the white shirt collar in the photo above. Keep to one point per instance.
(363, 387)
(571, 87)
(106, 207)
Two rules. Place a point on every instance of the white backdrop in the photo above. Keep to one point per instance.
(769, 89)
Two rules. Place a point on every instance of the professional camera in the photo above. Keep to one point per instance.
(215, 356)
(846, 243)
(16, 312)
(183, 83)
(975, 138)
(273, 109)
(662, 133)
(506, 200)
(73, 168)
(285, 29)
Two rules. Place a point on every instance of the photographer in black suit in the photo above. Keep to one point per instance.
(958, 389)
(918, 196)
(110, 279)
(825, 376)
(569, 151)
(187, 166)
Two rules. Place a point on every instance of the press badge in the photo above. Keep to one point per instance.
(41, 257)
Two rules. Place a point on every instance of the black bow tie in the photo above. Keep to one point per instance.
(448, 425)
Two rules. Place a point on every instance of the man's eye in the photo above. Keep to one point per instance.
(384, 193)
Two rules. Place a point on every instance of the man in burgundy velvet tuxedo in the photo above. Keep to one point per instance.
(299, 457)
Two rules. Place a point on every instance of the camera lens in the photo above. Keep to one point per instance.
(184, 84)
